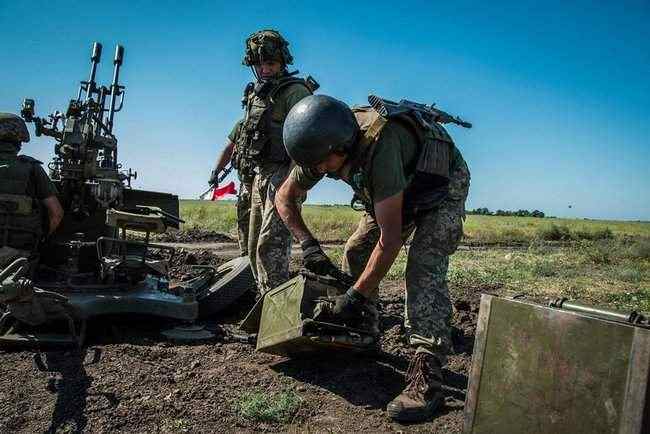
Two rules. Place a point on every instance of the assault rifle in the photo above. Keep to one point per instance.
(224, 172)
(425, 114)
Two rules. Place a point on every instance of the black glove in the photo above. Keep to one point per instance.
(315, 260)
(349, 308)
(214, 178)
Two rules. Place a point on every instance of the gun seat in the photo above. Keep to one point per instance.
(151, 223)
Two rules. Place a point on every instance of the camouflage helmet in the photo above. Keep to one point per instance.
(317, 126)
(13, 129)
(267, 45)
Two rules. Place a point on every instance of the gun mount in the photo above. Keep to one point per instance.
(92, 260)
(86, 164)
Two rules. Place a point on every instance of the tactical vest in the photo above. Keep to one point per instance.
(21, 224)
(260, 139)
(437, 157)
(244, 167)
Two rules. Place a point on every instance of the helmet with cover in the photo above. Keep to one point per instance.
(13, 129)
(317, 126)
(266, 46)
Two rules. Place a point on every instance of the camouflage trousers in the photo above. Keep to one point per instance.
(268, 237)
(436, 235)
(243, 215)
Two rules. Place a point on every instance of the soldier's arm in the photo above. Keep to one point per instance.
(46, 192)
(286, 202)
(222, 161)
(54, 212)
(225, 156)
(388, 214)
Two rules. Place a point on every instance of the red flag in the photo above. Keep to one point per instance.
(220, 192)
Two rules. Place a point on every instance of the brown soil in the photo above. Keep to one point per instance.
(194, 235)
(130, 379)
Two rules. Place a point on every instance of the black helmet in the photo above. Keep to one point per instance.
(316, 126)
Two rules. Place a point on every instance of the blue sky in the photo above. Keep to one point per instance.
(558, 92)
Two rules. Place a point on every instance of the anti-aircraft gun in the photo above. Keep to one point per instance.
(93, 259)
(85, 166)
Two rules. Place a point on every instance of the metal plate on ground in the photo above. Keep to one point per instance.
(37, 340)
(188, 333)
(537, 369)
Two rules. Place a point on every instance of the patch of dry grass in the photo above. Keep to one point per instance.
(338, 222)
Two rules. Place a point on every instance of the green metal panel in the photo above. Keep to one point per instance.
(543, 370)
(165, 201)
(286, 326)
(281, 314)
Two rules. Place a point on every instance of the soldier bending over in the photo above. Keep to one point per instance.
(412, 180)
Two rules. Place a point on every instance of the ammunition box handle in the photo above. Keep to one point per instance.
(634, 317)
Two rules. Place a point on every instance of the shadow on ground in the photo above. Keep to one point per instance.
(67, 378)
(367, 381)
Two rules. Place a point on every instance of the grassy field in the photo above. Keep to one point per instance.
(605, 272)
(602, 262)
(336, 223)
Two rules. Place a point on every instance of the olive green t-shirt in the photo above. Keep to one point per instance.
(234, 133)
(391, 170)
(287, 98)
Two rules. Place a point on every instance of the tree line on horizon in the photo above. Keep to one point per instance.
(500, 212)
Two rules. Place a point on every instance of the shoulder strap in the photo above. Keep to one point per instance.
(371, 124)
(247, 91)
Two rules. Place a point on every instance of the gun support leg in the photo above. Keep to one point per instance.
(3, 320)
(71, 327)
(82, 333)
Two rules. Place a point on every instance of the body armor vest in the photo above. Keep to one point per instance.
(260, 138)
(21, 224)
(437, 155)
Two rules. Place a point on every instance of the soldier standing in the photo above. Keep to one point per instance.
(267, 102)
(245, 174)
(412, 180)
(25, 190)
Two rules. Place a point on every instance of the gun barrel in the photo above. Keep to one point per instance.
(115, 86)
(119, 55)
(97, 52)
(95, 58)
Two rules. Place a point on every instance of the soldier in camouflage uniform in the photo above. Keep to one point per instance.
(25, 192)
(245, 174)
(412, 181)
(267, 102)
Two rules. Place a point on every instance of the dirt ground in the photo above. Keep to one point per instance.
(130, 379)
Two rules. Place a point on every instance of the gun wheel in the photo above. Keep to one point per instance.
(232, 280)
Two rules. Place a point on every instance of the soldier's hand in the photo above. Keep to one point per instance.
(349, 308)
(316, 261)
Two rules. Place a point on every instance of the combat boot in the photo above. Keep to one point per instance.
(422, 395)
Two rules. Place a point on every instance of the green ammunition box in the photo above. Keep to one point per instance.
(287, 327)
(551, 370)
